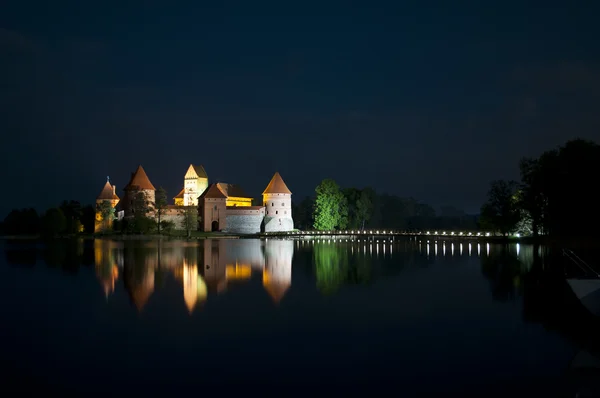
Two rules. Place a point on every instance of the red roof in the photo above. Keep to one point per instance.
(277, 185)
(107, 193)
(139, 180)
(213, 192)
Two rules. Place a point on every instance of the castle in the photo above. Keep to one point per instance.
(221, 206)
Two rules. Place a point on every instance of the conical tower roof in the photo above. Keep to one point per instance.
(107, 192)
(277, 185)
(196, 171)
(140, 180)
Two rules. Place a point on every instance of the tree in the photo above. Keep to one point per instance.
(501, 211)
(559, 189)
(190, 219)
(160, 205)
(533, 198)
(141, 206)
(88, 217)
(73, 212)
(167, 226)
(22, 222)
(364, 206)
(303, 213)
(331, 208)
(352, 196)
(107, 214)
(53, 222)
(141, 223)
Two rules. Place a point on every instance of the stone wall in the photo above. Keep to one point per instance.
(244, 220)
(176, 218)
(278, 224)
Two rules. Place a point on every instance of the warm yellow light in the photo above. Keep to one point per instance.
(238, 201)
(238, 271)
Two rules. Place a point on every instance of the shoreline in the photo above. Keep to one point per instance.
(211, 235)
(570, 242)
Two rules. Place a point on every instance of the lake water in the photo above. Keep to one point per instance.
(290, 317)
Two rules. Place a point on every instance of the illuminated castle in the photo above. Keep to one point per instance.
(194, 183)
(221, 206)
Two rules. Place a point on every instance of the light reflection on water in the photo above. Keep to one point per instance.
(358, 301)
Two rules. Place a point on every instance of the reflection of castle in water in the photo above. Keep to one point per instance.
(201, 268)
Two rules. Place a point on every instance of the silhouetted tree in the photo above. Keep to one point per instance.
(559, 189)
(53, 222)
(360, 206)
(501, 211)
(352, 195)
(22, 222)
(303, 213)
(73, 212)
(88, 218)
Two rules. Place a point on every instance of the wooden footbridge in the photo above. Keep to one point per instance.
(378, 234)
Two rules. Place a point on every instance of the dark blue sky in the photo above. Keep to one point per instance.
(425, 99)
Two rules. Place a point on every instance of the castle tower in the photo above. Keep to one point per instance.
(195, 183)
(107, 195)
(139, 182)
(212, 209)
(277, 199)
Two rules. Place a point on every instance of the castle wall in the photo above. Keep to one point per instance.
(278, 217)
(176, 217)
(244, 220)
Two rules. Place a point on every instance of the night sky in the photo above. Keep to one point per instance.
(425, 99)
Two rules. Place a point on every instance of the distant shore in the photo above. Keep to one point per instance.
(194, 236)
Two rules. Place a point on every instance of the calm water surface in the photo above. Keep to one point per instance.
(107, 317)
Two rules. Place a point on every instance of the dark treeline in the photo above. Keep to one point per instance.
(556, 195)
(68, 218)
(335, 208)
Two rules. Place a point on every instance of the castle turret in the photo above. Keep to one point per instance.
(195, 183)
(109, 196)
(139, 182)
(277, 199)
